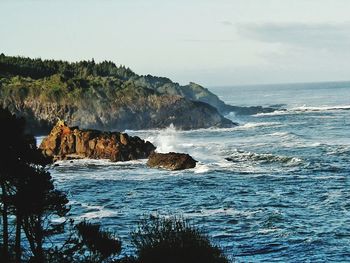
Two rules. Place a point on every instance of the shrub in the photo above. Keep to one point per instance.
(101, 244)
(173, 240)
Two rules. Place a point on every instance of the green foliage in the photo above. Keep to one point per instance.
(63, 82)
(90, 94)
(173, 240)
(38, 68)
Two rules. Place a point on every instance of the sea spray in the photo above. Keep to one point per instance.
(166, 140)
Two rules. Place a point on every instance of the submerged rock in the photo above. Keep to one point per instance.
(64, 143)
(171, 161)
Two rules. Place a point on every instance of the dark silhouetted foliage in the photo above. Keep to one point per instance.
(27, 192)
(173, 240)
(101, 244)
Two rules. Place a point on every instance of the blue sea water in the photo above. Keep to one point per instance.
(274, 189)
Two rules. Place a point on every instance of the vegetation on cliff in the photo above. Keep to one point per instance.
(102, 95)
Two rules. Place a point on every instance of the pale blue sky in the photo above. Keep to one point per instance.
(213, 43)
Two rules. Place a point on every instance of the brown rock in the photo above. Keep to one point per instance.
(64, 142)
(171, 161)
(124, 138)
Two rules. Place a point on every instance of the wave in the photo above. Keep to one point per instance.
(171, 131)
(322, 108)
(252, 125)
(201, 168)
(303, 109)
(96, 163)
(96, 211)
(212, 212)
(165, 140)
(263, 158)
(339, 150)
(280, 134)
(274, 113)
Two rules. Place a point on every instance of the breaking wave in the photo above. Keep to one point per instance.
(303, 109)
(263, 158)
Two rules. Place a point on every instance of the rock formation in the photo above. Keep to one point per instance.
(65, 142)
(171, 161)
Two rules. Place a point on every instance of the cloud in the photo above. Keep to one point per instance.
(208, 40)
(226, 23)
(330, 37)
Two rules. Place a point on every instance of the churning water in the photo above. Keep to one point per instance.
(276, 188)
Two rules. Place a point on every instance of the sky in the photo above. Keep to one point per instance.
(210, 42)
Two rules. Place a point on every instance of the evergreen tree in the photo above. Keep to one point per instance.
(27, 191)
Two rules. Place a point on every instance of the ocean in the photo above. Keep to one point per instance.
(273, 189)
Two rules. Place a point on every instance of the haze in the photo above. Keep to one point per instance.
(212, 43)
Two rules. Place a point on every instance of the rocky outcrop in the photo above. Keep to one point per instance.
(171, 161)
(195, 92)
(65, 142)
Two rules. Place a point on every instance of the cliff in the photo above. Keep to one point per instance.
(103, 96)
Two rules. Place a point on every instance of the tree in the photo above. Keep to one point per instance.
(86, 242)
(27, 190)
(16, 149)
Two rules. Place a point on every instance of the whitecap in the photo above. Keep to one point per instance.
(279, 134)
(321, 108)
(252, 125)
(201, 168)
(274, 113)
(263, 158)
(304, 109)
(102, 213)
(96, 211)
(97, 162)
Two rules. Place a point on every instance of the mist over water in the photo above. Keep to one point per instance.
(274, 189)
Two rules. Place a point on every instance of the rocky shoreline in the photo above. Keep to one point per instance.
(68, 143)
(65, 142)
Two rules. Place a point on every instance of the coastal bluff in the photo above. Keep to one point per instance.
(65, 143)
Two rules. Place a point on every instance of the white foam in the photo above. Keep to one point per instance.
(304, 108)
(252, 125)
(201, 168)
(321, 108)
(98, 162)
(166, 140)
(99, 212)
(274, 113)
(102, 213)
(279, 134)
(219, 211)
(263, 158)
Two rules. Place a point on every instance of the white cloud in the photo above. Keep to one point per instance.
(332, 37)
